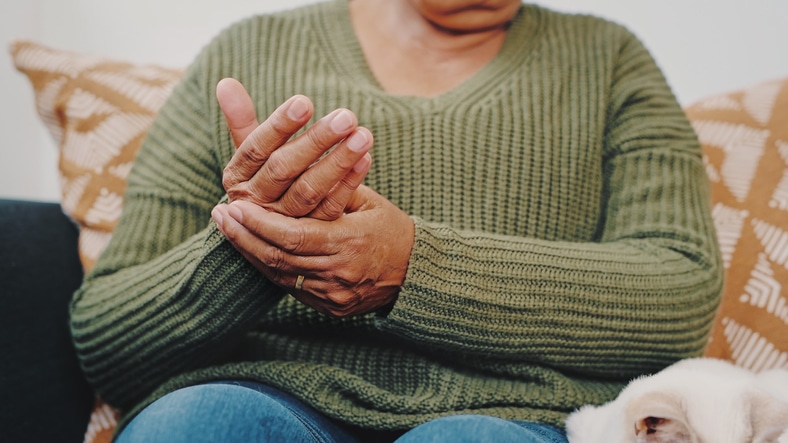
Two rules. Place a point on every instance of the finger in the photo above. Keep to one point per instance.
(321, 288)
(279, 273)
(364, 198)
(316, 293)
(333, 206)
(265, 139)
(312, 284)
(300, 237)
(287, 164)
(330, 178)
(263, 250)
(238, 109)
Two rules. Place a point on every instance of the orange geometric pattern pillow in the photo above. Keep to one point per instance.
(745, 141)
(98, 110)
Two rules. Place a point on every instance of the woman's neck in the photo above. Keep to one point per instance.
(411, 55)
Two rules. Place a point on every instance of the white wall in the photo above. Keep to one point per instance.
(167, 32)
(704, 47)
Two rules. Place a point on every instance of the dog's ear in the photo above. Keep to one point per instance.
(769, 417)
(658, 418)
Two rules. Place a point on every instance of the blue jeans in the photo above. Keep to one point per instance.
(252, 412)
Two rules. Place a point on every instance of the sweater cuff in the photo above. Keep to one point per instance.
(415, 303)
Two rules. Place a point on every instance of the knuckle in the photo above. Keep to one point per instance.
(343, 300)
(278, 170)
(318, 137)
(280, 125)
(250, 155)
(289, 208)
(348, 275)
(229, 177)
(293, 238)
(274, 260)
(344, 160)
(237, 192)
(307, 194)
(329, 209)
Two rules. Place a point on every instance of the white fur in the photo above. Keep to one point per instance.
(698, 400)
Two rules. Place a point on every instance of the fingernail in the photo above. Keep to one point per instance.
(235, 213)
(357, 142)
(342, 122)
(298, 108)
(217, 218)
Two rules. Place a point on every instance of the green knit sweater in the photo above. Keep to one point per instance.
(563, 238)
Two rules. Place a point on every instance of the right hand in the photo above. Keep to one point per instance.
(289, 176)
(351, 265)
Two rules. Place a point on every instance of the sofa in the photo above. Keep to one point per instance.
(44, 396)
(82, 98)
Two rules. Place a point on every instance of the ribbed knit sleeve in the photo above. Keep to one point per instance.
(640, 295)
(169, 294)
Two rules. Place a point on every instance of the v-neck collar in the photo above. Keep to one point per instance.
(339, 42)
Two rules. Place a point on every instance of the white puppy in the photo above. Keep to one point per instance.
(698, 400)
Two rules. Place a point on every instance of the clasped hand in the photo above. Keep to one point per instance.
(297, 206)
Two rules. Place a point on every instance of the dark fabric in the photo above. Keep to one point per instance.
(43, 395)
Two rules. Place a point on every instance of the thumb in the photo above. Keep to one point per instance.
(238, 109)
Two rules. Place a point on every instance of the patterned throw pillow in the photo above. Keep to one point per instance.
(745, 141)
(98, 111)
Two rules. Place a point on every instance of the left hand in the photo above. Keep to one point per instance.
(352, 265)
(293, 175)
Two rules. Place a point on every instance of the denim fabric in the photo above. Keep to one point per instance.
(252, 412)
(482, 429)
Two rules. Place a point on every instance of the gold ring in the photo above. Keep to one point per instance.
(299, 282)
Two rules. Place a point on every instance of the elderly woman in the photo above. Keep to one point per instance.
(534, 231)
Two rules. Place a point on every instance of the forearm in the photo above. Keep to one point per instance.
(606, 308)
(640, 296)
(169, 292)
(137, 324)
